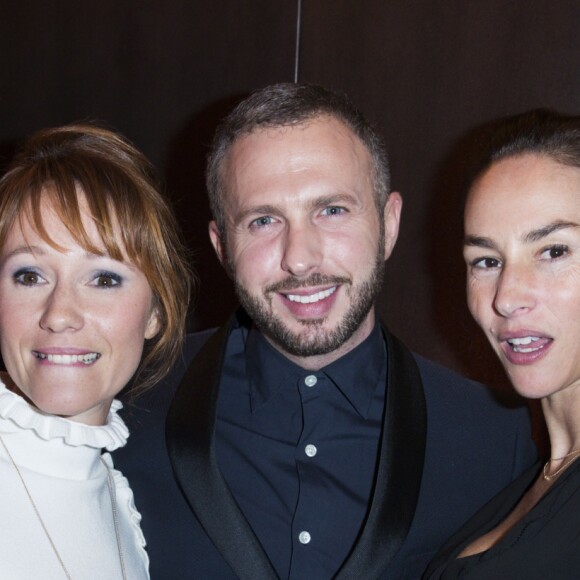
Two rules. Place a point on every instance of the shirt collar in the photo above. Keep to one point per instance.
(357, 374)
(268, 369)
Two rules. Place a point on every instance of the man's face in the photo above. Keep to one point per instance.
(304, 240)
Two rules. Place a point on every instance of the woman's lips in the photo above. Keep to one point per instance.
(84, 359)
(525, 348)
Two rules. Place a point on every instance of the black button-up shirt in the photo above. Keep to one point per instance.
(298, 449)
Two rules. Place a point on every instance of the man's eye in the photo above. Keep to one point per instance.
(333, 210)
(28, 277)
(107, 280)
(262, 221)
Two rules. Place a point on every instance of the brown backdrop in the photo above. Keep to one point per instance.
(427, 72)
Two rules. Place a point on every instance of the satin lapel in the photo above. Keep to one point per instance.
(399, 471)
(190, 432)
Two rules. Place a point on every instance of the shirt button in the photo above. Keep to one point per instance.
(304, 537)
(310, 450)
(310, 380)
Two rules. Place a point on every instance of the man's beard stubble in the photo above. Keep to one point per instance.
(315, 340)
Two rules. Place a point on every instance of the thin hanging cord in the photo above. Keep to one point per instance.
(298, 31)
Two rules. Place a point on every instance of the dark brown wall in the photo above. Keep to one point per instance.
(427, 72)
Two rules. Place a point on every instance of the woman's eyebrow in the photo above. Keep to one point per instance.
(24, 249)
(533, 236)
(40, 251)
(479, 242)
(539, 233)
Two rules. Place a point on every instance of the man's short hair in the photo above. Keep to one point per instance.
(287, 104)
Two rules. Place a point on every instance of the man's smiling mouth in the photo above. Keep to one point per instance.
(309, 299)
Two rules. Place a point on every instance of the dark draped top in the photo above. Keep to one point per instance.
(544, 544)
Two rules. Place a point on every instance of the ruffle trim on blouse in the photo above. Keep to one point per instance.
(125, 497)
(110, 436)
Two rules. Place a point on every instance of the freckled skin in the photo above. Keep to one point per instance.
(301, 218)
(527, 209)
(61, 302)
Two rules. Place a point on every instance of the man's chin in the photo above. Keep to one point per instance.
(311, 337)
(302, 348)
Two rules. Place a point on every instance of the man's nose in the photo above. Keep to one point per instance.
(303, 250)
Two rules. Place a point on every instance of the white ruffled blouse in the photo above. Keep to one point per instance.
(60, 463)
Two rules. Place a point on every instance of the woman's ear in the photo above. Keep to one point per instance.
(153, 324)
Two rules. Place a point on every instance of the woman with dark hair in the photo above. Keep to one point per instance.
(522, 250)
(94, 287)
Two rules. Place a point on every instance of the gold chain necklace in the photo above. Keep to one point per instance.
(112, 495)
(550, 476)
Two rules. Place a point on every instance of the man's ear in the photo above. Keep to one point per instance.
(392, 218)
(216, 241)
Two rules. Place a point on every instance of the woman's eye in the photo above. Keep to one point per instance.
(486, 263)
(28, 277)
(107, 280)
(554, 252)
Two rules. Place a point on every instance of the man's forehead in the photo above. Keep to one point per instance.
(322, 163)
(327, 131)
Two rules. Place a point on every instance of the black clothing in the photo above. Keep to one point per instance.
(544, 545)
(447, 446)
(282, 449)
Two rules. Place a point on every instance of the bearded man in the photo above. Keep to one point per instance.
(302, 439)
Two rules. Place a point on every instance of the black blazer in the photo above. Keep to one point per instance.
(448, 445)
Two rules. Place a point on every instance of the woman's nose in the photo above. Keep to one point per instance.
(62, 311)
(515, 291)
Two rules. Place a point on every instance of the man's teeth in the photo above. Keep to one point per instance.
(312, 297)
(68, 359)
(518, 343)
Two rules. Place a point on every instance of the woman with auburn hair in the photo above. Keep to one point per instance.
(94, 288)
(522, 250)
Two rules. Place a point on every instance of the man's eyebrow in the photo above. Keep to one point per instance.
(331, 199)
(533, 236)
(266, 209)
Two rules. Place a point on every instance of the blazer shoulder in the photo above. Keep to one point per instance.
(154, 403)
(194, 341)
(446, 384)
(464, 415)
